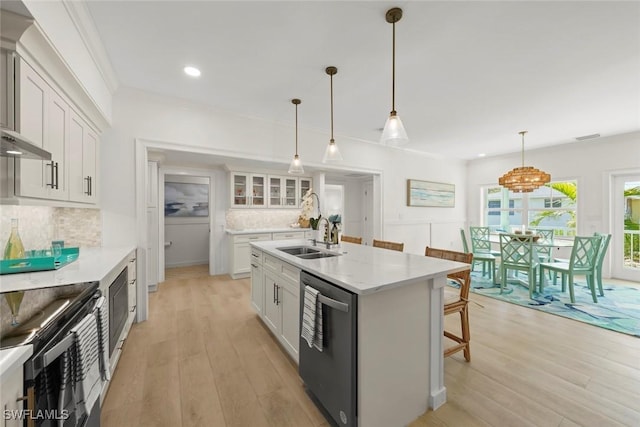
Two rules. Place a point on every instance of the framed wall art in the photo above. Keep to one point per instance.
(430, 194)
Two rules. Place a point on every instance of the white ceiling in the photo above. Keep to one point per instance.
(470, 75)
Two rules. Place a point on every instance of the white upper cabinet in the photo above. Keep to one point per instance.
(283, 191)
(83, 146)
(248, 190)
(43, 118)
(251, 190)
(48, 120)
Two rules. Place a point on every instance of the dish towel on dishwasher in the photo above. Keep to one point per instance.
(87, 367)
(312, 318)
(103, 337)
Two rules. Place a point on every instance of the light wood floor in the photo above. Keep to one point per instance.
(204, 359)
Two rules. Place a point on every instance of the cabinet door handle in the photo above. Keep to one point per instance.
(57, 177)
(88, 192)
(274, 293)
(255, 255)
(133, 308)
(277, 295)
(91, 186)
(253, 265)
(133, 282)
(53, 183)
(253, 238)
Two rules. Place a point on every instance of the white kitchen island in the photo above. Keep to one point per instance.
(399, 324)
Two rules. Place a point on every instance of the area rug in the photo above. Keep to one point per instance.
(618, 309)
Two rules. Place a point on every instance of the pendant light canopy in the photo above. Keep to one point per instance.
(332, 154)
(296, 165)
(524, 179)
(393, 133)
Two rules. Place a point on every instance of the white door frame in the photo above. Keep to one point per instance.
(142, 146)
(171, 170)
(616, 214)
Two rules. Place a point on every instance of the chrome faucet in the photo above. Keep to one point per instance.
(327, 238)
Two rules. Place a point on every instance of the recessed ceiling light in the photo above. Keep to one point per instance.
(481, 155)
(192, 71)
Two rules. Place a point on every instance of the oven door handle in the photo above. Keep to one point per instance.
(58, 349)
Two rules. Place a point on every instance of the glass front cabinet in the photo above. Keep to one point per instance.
(249, 190)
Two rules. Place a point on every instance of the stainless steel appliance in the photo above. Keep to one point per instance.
(330, 375)
(47, 329)
(118, 308)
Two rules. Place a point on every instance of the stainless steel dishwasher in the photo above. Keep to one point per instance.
(330, 375)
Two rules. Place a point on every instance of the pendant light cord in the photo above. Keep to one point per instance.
(522, 133)
(393, 71)
(331, 79)
(296, 130)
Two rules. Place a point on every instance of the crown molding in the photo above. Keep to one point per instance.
(84, 24)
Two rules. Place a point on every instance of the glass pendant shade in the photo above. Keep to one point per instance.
(296, 165)
(393, 133)
(332, 153)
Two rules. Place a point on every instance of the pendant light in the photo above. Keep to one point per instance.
(296, 165)
(332, 154)
(524, 179)
(393, 133)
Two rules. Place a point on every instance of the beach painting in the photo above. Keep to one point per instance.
(186, 199)
(431, 194)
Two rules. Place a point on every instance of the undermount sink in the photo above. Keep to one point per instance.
(305, 252)
(298, 250)
(317, 255)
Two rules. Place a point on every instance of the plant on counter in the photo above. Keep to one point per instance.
(305, 219)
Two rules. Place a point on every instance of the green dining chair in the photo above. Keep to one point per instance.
(480, 235)
(545, 253)
(602, 251)
(518, 254)
(582, 262)
(487, 260)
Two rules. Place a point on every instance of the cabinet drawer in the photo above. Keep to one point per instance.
(272, 263)
(290, 272)
(245, 238)
(256, 256)
(288, 235)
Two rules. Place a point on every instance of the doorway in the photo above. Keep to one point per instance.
(625, 242)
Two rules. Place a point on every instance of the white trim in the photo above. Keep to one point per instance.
(36, 48)
(85, 25)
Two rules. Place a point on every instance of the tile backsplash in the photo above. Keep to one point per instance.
(242, 219)
(38, 225)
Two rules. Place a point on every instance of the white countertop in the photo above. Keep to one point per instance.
(13, 358)
(364, 269)
(93, 264)
(264, 230)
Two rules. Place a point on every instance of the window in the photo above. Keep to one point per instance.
(550, 203)
(495, 204)
(552, 206)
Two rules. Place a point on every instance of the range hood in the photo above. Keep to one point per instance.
(15, 145)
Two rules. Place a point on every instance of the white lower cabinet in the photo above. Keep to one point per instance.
(132, 277)
(240, 251)
(281, 298)
(10, 391)
(257, 281)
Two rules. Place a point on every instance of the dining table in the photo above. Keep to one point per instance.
(558, 243)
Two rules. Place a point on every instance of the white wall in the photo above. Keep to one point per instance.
(138, 114)
(54, 18)
(590, 162)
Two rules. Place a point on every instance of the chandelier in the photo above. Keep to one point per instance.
(524, 179)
